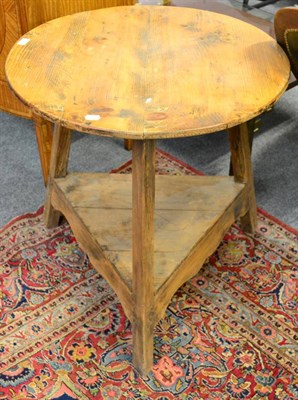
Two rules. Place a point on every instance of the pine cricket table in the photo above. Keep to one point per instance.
(147, 73)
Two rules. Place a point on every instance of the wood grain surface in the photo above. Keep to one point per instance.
(148, 72)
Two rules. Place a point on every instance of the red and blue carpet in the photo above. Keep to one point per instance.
(229, 333)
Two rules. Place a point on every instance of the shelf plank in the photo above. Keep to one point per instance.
(176, 232)
(114, 191)
(186, 208)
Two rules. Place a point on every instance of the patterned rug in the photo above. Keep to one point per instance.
(229, 333)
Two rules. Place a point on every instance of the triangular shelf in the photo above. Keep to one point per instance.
(186, 207)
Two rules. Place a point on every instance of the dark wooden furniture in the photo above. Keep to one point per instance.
(147, 235)
(286, 31)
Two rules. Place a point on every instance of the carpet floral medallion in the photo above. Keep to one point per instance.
(229, 333)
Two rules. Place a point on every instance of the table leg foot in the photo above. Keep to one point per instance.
(142, 346)
(51, 216)
(248, 221)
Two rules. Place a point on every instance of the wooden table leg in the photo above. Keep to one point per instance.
(128, 144)
(253, 127)
(43, 131)
(58, 169)
(242, 171)
(143, 194)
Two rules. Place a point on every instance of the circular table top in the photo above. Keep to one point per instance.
(145, 72)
